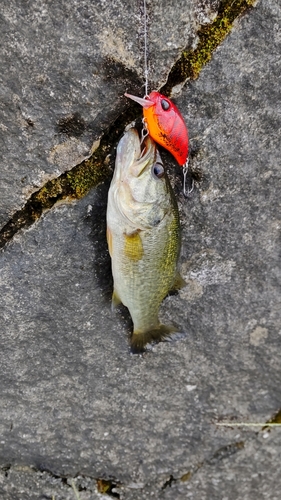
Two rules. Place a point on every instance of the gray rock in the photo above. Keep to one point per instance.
(65, 67)
(74, 402)
(28, 484)
(251, 473)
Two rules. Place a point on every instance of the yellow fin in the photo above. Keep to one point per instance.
(178, 282)
(115, 300)
(141, 338)
(133, 246)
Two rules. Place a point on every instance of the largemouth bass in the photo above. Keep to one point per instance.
(143, 234)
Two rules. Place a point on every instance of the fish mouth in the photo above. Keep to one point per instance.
(135, 157)
(135, 153)
(144, 102)
(147, 156)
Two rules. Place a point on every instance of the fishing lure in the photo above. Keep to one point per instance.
(165, 124)
(162, 119)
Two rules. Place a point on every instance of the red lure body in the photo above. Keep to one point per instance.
(165, 124)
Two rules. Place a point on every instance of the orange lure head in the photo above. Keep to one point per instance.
(165, 124)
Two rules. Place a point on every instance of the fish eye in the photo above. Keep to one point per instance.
(158, 170)
(165, 104)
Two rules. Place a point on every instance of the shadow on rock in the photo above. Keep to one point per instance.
(102, 261)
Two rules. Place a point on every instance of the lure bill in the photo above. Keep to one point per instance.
(143, 234)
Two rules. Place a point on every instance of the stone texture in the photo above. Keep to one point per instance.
(74, 402)
(65, 67)
(250, 473)
(28, 484)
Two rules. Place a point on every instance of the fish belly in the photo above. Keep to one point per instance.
(144, 265)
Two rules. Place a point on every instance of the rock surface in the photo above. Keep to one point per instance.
(75, 404)
(63, 79)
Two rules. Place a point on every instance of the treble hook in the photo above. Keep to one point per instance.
(144, 131)
(186, 192)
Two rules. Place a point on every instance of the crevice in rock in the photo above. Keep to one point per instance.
(210, 36)
(222, 453)
(225, 452)
(217, 456)
(168, 483)
(77, 482)
(5, 469)
(103, 486)
(276, 419)
(73, 184)
(77, 182)
(107, 487)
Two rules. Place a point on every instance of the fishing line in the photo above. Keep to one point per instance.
(162, 120)
(145, 49)
(144, 132)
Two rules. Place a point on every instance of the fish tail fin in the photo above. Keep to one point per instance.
(139, 339)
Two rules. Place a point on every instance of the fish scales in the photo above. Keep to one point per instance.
(143, 232)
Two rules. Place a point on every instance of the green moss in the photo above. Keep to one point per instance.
(77, 182)
(274, 420)
(186, 477)
(209, 38)
(52, 189)
(106, 487)
(73, 184)
(86, 176)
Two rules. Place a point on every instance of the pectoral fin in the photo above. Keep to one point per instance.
(109, 240)
(179, 282)
(133, 246)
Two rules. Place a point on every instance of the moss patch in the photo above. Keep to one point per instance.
(276, 419)
(106, 487)
(77, 182)
(210, 37)
(72, 185)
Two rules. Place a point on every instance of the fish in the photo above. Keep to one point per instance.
(165, 124)
(143, 235)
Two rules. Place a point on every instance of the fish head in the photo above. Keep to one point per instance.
(139, 190)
